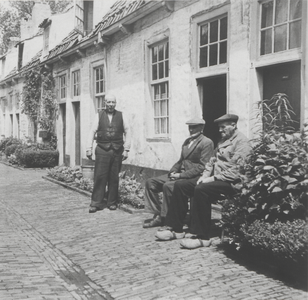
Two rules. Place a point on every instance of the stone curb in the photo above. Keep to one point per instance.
(123, 207)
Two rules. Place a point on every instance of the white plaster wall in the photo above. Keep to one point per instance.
(31, 48)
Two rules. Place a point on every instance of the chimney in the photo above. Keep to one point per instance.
(29, 27)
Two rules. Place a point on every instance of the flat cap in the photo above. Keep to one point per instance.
(226, 118)
(195, 121)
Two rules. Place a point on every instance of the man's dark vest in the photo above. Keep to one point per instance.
(110, 134)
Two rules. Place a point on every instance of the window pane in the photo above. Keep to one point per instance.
(167, 50)
(281, 11)
(280, 38)
(164, 109)
(223, 28)
(223, 53)
(214, 31)
(266, 41)
(157, 127)
(156, 92)
(154, 72)
(97, 88)
(160, 52)
(213, 54)
(163, 125)
(267, 14)
(156, 109)
(166, 68)
(295, 9)
(295, 35)
(97, 74)
(154, 54)
(101, 86)
(203, 57)
(163, 91)
(204, 35)
(161, 70)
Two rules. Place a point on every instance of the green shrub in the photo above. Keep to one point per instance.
(37, 158)
(8, 142)
(66, 174)
(9, 150)
(284, 240)
(273, 197)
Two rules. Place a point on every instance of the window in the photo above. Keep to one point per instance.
(84, 15)
(99, 87)
(76, 83)
(213, 42)
(46, 39)
(20, 55)
(280, 25)
(62, 85)
(160, 87)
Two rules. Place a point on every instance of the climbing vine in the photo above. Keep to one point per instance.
(39, 100)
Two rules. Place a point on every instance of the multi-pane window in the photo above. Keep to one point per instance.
(79, 15)
(213, 42)
(99, 87)
(76, 83)
(160, 87)
(280, 25)
(62, 86)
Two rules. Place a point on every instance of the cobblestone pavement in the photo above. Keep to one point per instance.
(52, 248)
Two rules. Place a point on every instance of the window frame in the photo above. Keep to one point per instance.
(163, 120)
(209, 43)
(197, 21)
(76, 85)
(60, 87)
(273, 26)
(99, 97)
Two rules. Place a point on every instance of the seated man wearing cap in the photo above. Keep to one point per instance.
(196, 152)
(218, 178)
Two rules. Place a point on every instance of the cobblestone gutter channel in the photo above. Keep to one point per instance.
(73, 278)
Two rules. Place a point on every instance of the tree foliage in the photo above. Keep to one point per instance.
(10, 18)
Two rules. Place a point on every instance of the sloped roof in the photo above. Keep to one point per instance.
(11, 73)
(118, 11)
(33, 62)
(69, 41)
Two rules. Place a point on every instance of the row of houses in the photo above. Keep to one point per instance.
(166, 61)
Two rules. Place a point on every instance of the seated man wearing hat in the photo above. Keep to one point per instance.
(218, 178)
(196, 152)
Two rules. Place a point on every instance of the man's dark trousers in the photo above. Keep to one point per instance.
(107, 167)
(200, 211)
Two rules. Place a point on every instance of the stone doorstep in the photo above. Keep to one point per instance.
(123, 207)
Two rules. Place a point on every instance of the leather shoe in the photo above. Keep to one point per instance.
(156, 222)
(112, 207)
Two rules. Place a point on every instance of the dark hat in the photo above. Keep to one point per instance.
(195, 121)
(226, 118)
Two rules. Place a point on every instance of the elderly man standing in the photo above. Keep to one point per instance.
(196, 152)
(109, 126)
(218, 178)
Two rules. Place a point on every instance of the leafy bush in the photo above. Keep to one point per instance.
(9, 150)
(65, 174)
(37, 158)
(273, 190)
(130, 191)
(284, 240)
(8, 142)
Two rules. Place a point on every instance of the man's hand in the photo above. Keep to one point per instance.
(174, 176)
(205, 179)
(89, 154)
(124, 155)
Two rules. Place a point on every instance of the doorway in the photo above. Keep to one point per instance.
(63, 118)
(284, 78)
(214, 104)
(76, 108)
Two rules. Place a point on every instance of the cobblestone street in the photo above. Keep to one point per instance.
(52, 248)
